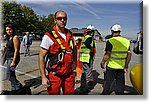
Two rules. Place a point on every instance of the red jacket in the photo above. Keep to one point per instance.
(65, 66)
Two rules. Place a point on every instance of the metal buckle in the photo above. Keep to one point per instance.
(60, 57)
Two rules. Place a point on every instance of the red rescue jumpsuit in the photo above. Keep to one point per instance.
(65, 77)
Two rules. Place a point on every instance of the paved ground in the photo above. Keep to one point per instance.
(27, 71)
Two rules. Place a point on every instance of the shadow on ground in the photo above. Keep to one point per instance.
(32, 53)
(128, 89)
(36, 82)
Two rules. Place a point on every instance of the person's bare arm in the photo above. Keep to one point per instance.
(41, 61)
(3, 57)
(105, 58)
(128, 58)
(16, 47)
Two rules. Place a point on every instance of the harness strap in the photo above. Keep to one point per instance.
(63, 49)
(70, 41)
(58, 40)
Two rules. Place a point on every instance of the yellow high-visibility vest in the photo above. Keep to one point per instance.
(120, 47)
(84, 51)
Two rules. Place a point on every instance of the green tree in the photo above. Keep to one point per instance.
(25, 19)
(46, 23)
(30, 20)
(12, 13)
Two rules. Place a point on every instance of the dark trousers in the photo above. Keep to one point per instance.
(87, 76)
(118, 76)
(27, 50)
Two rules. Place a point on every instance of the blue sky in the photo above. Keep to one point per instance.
(101, 13)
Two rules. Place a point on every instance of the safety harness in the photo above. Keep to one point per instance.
(54, 60)
(60, 43)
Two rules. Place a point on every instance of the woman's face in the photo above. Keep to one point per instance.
(9, 31)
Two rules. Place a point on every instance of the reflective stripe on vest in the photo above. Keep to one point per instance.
(84, 51)
(120, 47)
(122, 55)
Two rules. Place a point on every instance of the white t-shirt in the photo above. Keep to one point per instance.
(47, 42)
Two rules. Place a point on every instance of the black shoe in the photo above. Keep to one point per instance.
(84, 91)
(90, 85)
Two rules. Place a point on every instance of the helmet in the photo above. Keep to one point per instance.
(116, 27)
(90, 27)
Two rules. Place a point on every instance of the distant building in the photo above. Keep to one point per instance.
(80, 32)
(97, 35)
(77, 32)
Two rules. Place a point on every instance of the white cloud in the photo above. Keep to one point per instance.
(83, 5)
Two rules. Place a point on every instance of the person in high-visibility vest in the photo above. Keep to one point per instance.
(117, 57)
(87, 54)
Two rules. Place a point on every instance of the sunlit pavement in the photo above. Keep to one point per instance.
(28, 71)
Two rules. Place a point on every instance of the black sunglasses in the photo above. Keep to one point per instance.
(60, 18)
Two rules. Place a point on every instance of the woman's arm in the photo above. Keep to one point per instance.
(3, 57)
(16, 47)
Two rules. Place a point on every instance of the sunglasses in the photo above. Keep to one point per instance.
(60, 18)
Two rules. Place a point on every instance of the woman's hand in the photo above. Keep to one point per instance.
(12, 64)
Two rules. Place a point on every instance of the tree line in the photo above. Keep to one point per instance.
(25, 19)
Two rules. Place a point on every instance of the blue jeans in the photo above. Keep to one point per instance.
(27, 50)
(11, 76)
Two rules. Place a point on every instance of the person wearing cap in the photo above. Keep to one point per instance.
(117, 57)
(87, 57)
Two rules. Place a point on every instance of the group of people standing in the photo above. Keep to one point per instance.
(61, 49)
(58, 57)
